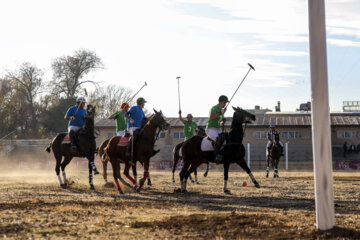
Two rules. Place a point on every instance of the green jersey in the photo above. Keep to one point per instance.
(121, 121)
(215, 123)
(189, 128)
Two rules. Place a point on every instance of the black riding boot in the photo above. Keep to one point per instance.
(72, 141)
(129, 151)
(217, 155)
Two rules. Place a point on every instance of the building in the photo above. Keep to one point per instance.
(294, 128)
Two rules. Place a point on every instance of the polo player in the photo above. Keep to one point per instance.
(75, 116)
(189, 125)
(121, 120)
(270, 137)
(213, 126)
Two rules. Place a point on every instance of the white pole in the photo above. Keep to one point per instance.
(286, 157)
(320, 117)
(248, 153)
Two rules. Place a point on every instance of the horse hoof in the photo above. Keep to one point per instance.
(227, 191)
(192, 181)
(92, 187)
(96, 172)
(184, 191)
(205, 174)
(173, 180)
(267, 175)
(63, 186)
(121, 192)
(257, 185)
(197, 182)
(149, 183)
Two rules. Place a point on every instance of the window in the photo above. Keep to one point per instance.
(347, 134)
(260, 135)
(178, 135)
(290, 135)
(111, 134)
(162, 135)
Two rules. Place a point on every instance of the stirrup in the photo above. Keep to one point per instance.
(218, 159)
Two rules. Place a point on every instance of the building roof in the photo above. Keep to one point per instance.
(277, 118)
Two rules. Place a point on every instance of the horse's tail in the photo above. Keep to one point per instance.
(48, 148)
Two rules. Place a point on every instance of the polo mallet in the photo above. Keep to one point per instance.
(178, 78)
(145, 84)
(251, 67)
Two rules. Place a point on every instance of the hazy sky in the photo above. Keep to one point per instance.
(208, 43)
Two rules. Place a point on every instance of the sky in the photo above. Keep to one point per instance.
(208, 43)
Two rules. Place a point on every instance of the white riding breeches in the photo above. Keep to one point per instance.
(132, 129)
(121, 133)
(73, 128)
(213, 133)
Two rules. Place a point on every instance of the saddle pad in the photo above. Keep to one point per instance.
(66, 139)
(206, 145)
(123, 141)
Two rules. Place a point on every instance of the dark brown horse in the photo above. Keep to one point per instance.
(274, 155)
(104, 160)
(176, 157)
(233, 151)
(86, 148)
(143, 150)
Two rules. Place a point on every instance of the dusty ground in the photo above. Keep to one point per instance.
(32, 205)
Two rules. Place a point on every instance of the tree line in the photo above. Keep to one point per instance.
(34, 107)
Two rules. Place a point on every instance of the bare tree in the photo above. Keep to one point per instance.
(109, 99)
(69, 71)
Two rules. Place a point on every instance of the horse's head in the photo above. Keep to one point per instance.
(241, 116)
(276, 137)
(200, 131)
(90, 111)
(159, 120)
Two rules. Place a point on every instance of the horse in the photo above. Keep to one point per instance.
(177, 157)
(143, 150)
(86, 148)
(233, 151)
(104, 160)
(274, 155)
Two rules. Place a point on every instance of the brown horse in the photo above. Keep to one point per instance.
(176, 157)
(104, 160)
(86, 148)
(274, 155)
(233, 151)
(143, 150)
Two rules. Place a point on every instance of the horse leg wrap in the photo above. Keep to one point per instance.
(90, 178)
(64, 176)
(131, 179)
(252, 177)
(60, 181)
(117, 185)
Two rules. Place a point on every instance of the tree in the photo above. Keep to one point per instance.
(69, 72)
(53, 112)
(26, 82)
(109, 99)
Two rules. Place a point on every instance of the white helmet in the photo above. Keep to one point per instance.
(81, 99)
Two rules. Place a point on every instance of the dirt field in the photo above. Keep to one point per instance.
(33, 206)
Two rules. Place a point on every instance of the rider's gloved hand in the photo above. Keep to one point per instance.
(223, 111)
(179, 112)
(72, 118)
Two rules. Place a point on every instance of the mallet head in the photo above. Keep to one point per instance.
(251, 66)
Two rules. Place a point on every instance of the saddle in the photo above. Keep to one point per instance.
(124, 141)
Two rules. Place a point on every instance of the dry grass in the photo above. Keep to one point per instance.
(33, 206)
